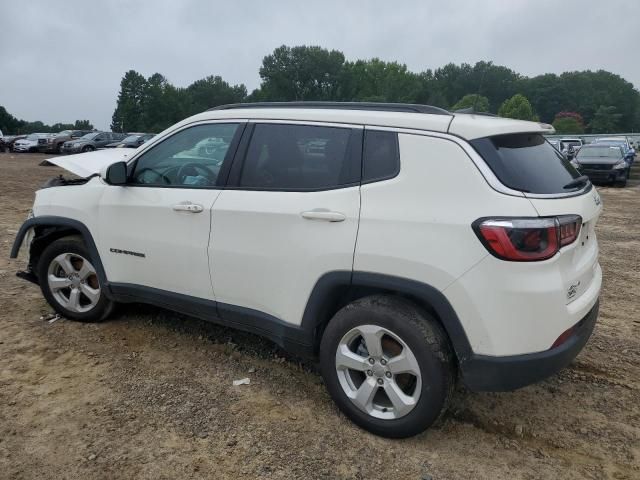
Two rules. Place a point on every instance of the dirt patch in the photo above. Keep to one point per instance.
(149, 394)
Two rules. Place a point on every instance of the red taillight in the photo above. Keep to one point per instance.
(566, 335)
(527, 239)
(569, 226)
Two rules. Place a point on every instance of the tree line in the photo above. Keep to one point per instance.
(574, 102)
(11, 125)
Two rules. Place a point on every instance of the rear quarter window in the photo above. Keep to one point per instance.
(381, 156)
(527, 163)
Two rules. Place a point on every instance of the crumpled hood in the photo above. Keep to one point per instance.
(86, 164)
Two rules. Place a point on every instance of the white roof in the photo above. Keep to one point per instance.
(467, 126)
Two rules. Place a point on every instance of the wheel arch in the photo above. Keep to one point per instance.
(48, 229)
(334, 290)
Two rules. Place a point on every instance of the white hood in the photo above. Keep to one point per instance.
(86, 164)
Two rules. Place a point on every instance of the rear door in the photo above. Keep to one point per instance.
(289, 215)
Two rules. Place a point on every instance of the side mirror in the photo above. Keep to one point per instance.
(115, 174)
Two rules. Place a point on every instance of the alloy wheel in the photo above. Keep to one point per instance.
(378, 372)
(73, 282)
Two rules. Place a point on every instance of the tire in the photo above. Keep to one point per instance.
(88, 148)
(59, 148)
(69, 282)
(398, 323)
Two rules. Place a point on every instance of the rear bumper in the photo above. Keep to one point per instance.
(499, 374)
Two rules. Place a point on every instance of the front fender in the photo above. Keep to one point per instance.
(61, 222)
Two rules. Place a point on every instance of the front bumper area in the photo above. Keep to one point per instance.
(613, 175)
(501, 374)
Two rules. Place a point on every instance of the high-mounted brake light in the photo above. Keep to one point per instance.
(527, 239)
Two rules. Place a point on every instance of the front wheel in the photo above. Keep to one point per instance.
(88, 148)
(388, 366)
(70, 283)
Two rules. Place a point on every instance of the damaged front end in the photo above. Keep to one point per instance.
(28, 274)
(61, 181)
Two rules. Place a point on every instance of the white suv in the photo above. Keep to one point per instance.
(403, 245)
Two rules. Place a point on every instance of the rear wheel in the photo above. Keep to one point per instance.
(388, 366)
(70, 283)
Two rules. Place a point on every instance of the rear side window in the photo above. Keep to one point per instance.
(381, 156)
(299, 157)
(527, 163)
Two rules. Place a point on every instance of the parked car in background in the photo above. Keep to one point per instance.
(570, 146)
(603, 163)
(554, 143)
(132, 141)
(9, 140)
(30, 142)
(54, 143)
(91, 141)
(629, 151)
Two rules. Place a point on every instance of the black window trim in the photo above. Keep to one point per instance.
(226, 163)
(399, 159)
(354, 155)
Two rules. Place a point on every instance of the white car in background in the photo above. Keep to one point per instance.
(30, 143)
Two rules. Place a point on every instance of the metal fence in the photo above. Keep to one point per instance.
(634, 138)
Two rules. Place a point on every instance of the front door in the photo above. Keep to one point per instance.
(154, 231)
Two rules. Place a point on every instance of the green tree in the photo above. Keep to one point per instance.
(547, 94)
(212, 91)
(378, 81)
(129, 113)
(568, 126)
(517, 107)
(477, 102)
(82, 125)
(495, 82)
(301, 73)
(8, 123)
(605, 120)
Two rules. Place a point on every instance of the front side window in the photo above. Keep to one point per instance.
(298, 157)
(191, 157)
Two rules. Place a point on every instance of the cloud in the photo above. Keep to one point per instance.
(63, 61)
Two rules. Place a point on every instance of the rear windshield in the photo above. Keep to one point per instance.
(527, 162)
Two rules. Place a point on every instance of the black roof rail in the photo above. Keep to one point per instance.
(374, 106)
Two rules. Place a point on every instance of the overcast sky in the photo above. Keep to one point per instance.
(63, 60)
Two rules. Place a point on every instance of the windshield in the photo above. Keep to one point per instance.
(609, 152)
(64, 133)
(527, 163)
(33, 136)
(131, 138)
(91, 135)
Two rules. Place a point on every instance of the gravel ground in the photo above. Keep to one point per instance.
(149, 393)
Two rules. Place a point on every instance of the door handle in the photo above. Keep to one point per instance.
(188, 207)
(325, 215)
